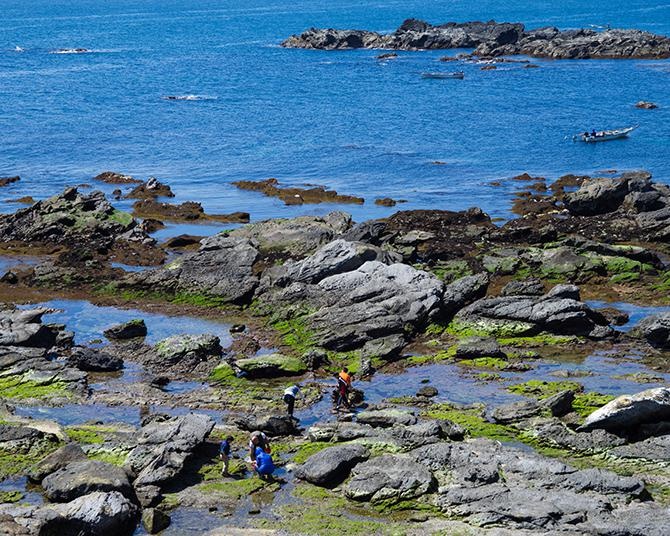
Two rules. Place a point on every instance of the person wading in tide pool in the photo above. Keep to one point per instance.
(290, 395)
(258, 440)
(224, 454)
(343, 387)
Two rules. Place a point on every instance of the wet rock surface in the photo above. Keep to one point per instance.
(298, 196)
(493, 39)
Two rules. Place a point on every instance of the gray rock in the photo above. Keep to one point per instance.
(474, 347)
(164, 445)
(296, 236)
(570, 292)
(25, 328)
(627, 412)
(652, 448)
(559, 404)
(18, 438)
(188, 349)
(82, 477)
(464, 291)
(386, 417)
(273, 425)
(223, 268)
(58, 459)
(92, 360)
(95, 514)
(594, 441)
(127, 330)
(597, 196)
(331, 466)
(515, 411)
(389, 477)
(154, 520)
(427, 391)
(527, 287)
(655, 329)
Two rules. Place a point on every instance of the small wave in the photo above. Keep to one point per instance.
(17, 48)
(189, 97)
(72, 51)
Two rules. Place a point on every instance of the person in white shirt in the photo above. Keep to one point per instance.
(289, 398)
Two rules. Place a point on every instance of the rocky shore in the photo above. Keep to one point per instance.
(491, 39)
(479, 411)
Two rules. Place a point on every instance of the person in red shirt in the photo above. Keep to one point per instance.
(343, 387)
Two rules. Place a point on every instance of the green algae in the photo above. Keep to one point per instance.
(543, 389)
(489, 376)
(491, 363)
(196, 299)
(586, 403)
(121, 217)
(85, 435)
(10, 496)
(488, 328)
(295, 333)
(308, 449)
(115, 456)
(539, 340)
(19, 387)
(17, 463)
(471, 419)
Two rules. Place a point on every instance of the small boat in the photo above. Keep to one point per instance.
(604, 135)
(459, 75)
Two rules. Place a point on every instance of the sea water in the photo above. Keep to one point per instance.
(253, 110)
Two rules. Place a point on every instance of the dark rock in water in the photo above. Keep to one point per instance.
(474, 347)
(493, 39)
(55, 461)
(150, 225)
(387, 56)
(92, 360)
(150, 190)
(154, 520)
(646, 105)
(559, 404)
(159, 381)
(110, 177)
(186, 212)
(163, 447)
(655, 329)
(515, 411)
(185, 352)
(389, 478)
(527, 287)
(297, 196)
(127, 330)
(183, 241)
(331, 466)
(274, 425)
(223, 269)
(5, 181)
(385, 202)
(614, 316)
(82, 477)
(628, 412)
(237, 328)
(427, 392)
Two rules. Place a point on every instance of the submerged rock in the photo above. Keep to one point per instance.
(187, 212)
(127, 330)
(297, 196)
(92, 360)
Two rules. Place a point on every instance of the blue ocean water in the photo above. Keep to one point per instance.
(340, 119)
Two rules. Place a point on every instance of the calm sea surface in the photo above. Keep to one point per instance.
(340, 119)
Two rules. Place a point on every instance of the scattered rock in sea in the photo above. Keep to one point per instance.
(385, 202)
(6, 181)
(127, 330)
(152, 189)
(297, 196)
(187, 211)
(111, 177)
(646, 105)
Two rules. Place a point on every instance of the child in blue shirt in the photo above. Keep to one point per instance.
(224, 454)
(263, 464)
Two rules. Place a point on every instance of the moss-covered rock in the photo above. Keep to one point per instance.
(271, 366)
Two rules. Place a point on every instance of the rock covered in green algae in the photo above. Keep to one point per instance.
(68, 218)
(58, 459)
(190, 348)
(271, 366)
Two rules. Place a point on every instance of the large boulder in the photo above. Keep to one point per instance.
(222, 269)
(20, 327)
(626, 413)
(55, 461)
(295, 237)
(384, 418)
(82, 477)
(163, 446)
(331, 466)
(655, 329)
(528, 315)
(597, 196)
(463, 292)
(389, 477)
(272, 425)
(187, 350)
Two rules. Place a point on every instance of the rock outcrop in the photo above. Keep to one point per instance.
(493, 39)
(331, 466)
